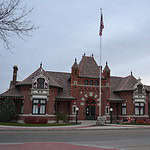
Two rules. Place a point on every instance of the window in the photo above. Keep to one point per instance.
(86, 82)
(139, 108)
(124, 109)
(40, 83)
(39, 106)
(91, 82)
(96, 82)
(76, 72)
(75, 82)
(21, 108)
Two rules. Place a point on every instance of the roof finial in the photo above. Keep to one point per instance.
(75, 60)
(131, 73)
(92, 55)
(106, 63)
(139, 79)
(41, 64)
(84, 54)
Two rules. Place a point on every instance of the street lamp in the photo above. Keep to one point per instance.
(77, 110)
(111, 110)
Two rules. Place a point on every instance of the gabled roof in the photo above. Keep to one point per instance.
(119, 84)
(88, 67)
(28, 80)
(56, 79)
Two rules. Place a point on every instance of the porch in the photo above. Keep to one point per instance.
(64, 106)
(116, 110)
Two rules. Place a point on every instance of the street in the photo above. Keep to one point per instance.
(131, 139)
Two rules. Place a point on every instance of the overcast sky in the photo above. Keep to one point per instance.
(69, 28)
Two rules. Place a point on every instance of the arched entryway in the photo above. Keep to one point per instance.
(90, 109)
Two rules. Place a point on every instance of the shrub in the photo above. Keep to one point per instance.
(7, 110)
(36, 120)
(61, 116)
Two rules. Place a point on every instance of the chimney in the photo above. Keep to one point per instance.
(15, 69)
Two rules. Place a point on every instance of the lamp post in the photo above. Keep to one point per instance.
(111, 110)
(77, 110)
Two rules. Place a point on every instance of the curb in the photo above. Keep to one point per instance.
(86, 127)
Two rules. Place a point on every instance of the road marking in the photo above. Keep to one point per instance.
(93, 145)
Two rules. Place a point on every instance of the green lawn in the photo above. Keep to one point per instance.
(35, 125)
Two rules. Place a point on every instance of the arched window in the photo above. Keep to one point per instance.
(40, 83)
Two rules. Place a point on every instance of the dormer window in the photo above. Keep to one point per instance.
(40, 83)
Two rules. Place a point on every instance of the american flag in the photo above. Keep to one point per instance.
(101, 25)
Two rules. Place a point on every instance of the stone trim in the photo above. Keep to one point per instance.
(46, 115)
(142, 116)
(82, 85)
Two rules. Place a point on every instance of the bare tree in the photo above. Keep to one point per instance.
(14, 21)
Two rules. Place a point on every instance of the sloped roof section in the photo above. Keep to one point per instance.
(28, 80)
(88, 67)
(57, 79)
(12, 92)
(147, 87)
(114, 82)
(63, 79)
(126, 84)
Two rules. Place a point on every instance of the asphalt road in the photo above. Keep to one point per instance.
(131, 139)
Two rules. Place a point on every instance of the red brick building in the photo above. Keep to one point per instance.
(44, 93)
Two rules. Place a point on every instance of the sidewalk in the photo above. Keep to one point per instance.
(80, 127)
(117, 126)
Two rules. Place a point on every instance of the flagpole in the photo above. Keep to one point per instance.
(100, 61)
(100, 77)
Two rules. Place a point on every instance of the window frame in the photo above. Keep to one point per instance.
(96, 82)
(123, 109)
(91, 82)
(139, 108)
(40, 85)
(86, 82)
(37, 110)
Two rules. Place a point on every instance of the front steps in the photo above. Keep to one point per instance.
(88, 122)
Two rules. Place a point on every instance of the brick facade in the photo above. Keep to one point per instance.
(64, 92)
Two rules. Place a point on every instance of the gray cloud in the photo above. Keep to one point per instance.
(67, 29)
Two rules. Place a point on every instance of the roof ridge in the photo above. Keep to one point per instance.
(116, 77)
(58, 72)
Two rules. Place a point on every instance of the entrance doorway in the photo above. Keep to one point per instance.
(90, 109)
